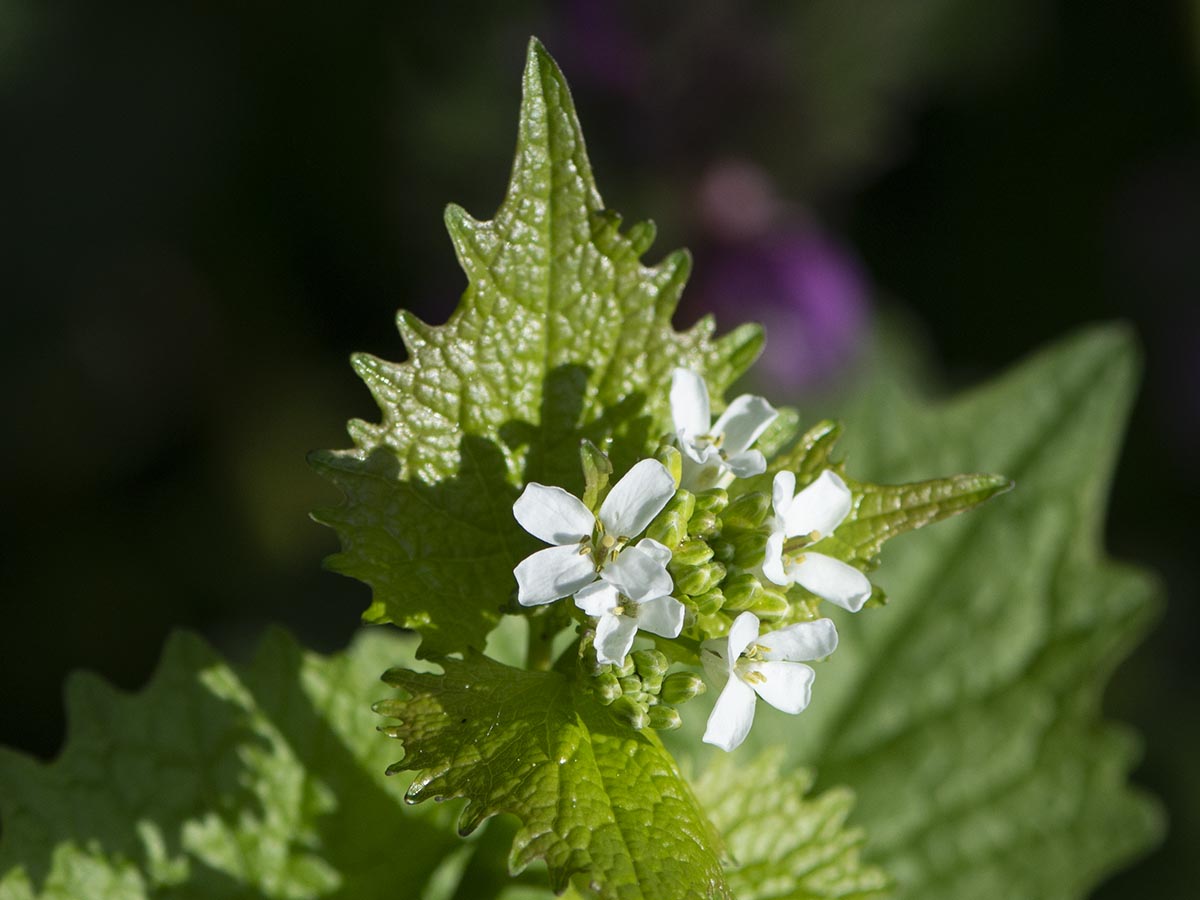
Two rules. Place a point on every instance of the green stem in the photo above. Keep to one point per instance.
(537, 654)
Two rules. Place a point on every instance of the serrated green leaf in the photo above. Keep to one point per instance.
(562, 334)
(220, 782)
(787, 844)
(884, 511)
(966, 714)
(595, 799)
(879, 512)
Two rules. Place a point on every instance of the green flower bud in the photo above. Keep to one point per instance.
(709, 602)
(596, 469)
(723, 551)
(587, 656)
(712, 501)
(606, 687)
(771, 605)
(680, 687)
(749, 549)
(702, 523)
(694, 552)
(696, 580)
(741, 592)
(651, 685)
(747, 511)
(625, 669)
(630, 712)
(641, 698)
(664, 718)
(670, 457)
(671, 525)
(650, 663)
(630, 683)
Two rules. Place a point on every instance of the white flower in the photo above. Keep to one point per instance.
(806, 518)
(771, 666)
(714, 453)
(586, 549)
(621, 618)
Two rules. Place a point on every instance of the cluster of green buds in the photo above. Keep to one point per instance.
(699, 549)
(717, 549)
(639, 691)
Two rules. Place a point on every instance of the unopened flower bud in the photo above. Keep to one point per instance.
(709, 602)
(629, 684)
(606, 687)
(771, 605)
(693, 552)
(702, 523)
(723, 551)
(749, 549)
(630, 712)
(680, 687)
(664, 718)
(712, 501)
(625, 669)
(747, 511)
(596, 469)
(696, 580)
(670, 526)
(741, 592)
(670, 457)
(650, 663)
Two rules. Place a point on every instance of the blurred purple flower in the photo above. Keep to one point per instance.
(766, 265)
(805, 289)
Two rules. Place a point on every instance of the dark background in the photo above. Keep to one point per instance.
(208, 206)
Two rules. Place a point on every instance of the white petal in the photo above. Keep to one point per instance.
(553, 515)
(552, 573)
(700, 454)
(655, 549)
(832, 580)
(747, 463)
(742, 633)
(689, 402)
(820, 507)
(783, 488)
(773, 562)
(743, 421)
(787, 686)
(697, 477)
(637, 498)
(638, 575)
(800, 642)
(712, 658)
(614, 637)
(732, 716)
(598, 598)
(662, 616)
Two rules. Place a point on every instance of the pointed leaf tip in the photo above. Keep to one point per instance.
(559, 324)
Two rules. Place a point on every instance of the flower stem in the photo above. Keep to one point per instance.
(539, 647)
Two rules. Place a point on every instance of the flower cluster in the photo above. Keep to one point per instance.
(689, 548)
